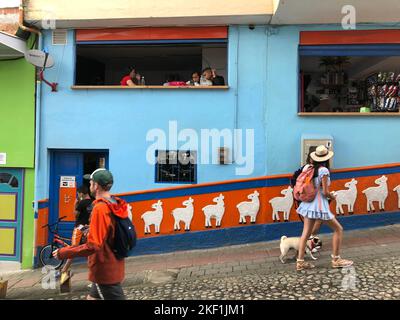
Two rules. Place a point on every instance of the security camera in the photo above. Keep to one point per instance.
(251, 26)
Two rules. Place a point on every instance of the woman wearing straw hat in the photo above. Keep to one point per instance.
(318, 209)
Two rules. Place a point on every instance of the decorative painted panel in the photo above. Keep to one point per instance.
(8, 206)
(7, 241)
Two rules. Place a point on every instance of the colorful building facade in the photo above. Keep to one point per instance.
(91, 121)
(17, 156)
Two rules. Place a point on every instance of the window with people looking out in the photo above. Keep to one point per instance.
(199, 64)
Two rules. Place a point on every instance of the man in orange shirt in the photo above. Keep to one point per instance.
(106, 272)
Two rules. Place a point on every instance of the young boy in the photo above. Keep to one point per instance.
(83, 207)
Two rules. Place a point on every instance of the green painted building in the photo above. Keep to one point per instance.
(17, 154)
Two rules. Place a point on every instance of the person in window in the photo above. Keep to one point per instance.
(130, 80)
(138, 79)
(195, 81)
(310, 100)
(210, 78)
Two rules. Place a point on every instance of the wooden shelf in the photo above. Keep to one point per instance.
(349, 114)
(149, 87)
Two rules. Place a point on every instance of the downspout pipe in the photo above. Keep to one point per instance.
(21, 21)
(38, 100)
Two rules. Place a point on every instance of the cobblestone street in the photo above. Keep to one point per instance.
(252, 272)
(374, 279)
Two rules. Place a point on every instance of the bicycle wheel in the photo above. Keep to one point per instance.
(46, 257)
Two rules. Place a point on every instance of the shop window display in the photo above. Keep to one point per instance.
(350, 84)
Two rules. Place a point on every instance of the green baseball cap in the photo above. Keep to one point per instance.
(102, 176)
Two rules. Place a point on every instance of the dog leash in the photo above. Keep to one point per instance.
(312, 244)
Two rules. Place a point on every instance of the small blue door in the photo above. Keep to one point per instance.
(64, 166)
(66, 175)
(11, 208)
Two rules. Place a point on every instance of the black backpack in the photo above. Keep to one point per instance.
(124, 237)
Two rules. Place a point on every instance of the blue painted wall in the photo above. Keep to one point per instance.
(358, 141)
(119, 120)
(263, 88)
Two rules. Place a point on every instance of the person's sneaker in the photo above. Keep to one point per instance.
(302, 265)
(338, 262)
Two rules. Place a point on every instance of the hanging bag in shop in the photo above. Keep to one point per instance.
(304, 190)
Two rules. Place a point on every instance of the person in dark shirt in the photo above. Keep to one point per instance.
(211, 75)
(83, 206)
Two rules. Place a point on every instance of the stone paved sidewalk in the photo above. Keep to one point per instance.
(243, 266)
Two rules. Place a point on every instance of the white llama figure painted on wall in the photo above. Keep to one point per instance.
(215, 211)
(183, 214)
(379, 194)
(282, 204)
(346, 197)
(249, 208)
(153, 217)
(397, 189)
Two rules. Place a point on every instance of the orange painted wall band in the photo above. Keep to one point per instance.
(313, 38)
(174, 33)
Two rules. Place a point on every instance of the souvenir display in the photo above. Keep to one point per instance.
(383, 92)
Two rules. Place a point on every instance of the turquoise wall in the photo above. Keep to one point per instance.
(263, 86)
(358, 141)
(119, 120)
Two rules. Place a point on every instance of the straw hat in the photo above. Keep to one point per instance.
(321, 154)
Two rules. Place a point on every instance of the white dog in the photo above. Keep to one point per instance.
(313, 246)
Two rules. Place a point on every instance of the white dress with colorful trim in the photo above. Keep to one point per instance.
(319, 207)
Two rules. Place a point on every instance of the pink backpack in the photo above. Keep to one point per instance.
(304, 190)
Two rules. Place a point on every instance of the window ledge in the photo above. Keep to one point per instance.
(150, 87)
(349, 114)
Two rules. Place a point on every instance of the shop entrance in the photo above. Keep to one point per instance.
(67, 168)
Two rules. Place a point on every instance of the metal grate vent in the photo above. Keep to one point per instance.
(59, 37)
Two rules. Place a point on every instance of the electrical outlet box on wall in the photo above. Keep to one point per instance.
(310, 142)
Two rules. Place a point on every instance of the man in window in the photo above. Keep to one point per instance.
(210, 78)
(130, 80)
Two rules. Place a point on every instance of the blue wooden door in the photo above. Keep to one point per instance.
(64, 166)
(11, 209)
(69, 166)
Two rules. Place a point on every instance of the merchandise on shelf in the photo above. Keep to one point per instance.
(383, 91)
